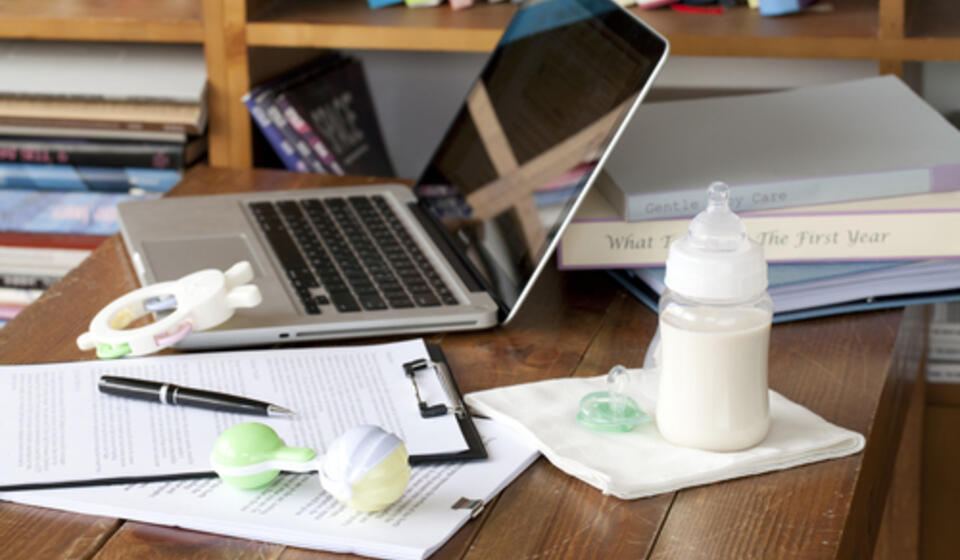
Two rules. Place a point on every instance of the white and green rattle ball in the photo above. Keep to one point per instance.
(366, 467)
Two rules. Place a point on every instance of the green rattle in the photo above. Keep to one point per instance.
(366, 467)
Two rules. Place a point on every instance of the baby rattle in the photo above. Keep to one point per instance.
(196, 302)
(366, 467)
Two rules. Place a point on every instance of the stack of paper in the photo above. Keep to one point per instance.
(60, 429)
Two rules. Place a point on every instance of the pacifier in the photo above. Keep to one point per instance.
(366, 467)
(611, 410)
(196, 302)
(615, 411)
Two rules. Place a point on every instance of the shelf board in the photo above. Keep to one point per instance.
(352, 24)
(848, 32)
(172, 21)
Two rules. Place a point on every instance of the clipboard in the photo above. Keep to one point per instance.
(434, 363)
(438, 363)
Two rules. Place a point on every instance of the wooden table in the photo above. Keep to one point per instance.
(859, 371)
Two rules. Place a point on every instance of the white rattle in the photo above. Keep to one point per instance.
(198, 301)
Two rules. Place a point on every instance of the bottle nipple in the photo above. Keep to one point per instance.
(717, 228)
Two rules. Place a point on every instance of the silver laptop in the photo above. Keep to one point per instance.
(462, 249)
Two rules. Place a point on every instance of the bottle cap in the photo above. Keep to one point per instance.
(715, 260)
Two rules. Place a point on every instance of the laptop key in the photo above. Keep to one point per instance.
(372, 302)
(448, 298)
(401, 303)
(344, 302)
(426, 300)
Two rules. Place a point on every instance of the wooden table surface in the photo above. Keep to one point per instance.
(858, 371)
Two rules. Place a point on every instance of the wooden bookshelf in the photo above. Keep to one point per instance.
(166, 21)
(891, 32)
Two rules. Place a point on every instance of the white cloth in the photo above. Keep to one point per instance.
(641, 463)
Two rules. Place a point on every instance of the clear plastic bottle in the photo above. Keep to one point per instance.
(715, 321)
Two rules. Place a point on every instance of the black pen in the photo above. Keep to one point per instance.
(168, 393)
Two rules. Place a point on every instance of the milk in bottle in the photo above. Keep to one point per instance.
(715, 321)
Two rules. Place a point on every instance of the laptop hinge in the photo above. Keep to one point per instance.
(474, 281)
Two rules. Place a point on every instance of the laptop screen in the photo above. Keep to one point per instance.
(527, 140)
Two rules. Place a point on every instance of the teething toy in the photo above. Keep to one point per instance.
(366, 467)
(198, 301)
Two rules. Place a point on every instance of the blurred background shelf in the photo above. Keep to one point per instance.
(248, 40)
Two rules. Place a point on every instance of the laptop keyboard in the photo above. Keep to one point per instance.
(351, 253)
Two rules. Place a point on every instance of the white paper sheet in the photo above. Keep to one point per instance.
(295, 510)
(58, 427)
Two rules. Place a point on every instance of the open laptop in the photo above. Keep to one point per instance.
(462, 249)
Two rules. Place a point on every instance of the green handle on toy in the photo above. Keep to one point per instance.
(252, 443)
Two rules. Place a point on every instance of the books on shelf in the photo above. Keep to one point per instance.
(321, 118)
(943, 344)
(106, 88)
(107, 115)
(55, 212)
(897, 228)
(869, 138)
(83, 127)
(65, 177)
(101, 152)
(141, 72)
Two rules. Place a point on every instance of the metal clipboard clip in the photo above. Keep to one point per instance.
(411, 368)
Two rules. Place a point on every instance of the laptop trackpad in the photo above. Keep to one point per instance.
(170, 259)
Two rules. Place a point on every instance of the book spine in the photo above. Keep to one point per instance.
(284, 150)
(80, 178)
(50, 240)
(944, 372)
(9, 120)
(784, 194)
(74, 212)
(290, 135)
(300, 126)
(30, 260)
(866, 236)
(119, 154)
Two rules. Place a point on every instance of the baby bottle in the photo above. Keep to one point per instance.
(715, 320)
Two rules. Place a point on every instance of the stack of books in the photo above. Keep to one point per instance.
(852, 189)
(320, 118)
(83, 127)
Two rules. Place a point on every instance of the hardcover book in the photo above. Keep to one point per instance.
(901, 228)
(109, 153)
(141, 72)
(64, 177)
(855, 140)
(88, 213)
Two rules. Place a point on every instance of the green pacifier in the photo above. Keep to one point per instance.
(611, 411)
(366, 468)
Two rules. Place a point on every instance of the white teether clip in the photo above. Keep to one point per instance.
(199, 301)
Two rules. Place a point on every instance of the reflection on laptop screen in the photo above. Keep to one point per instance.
(525, 142)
